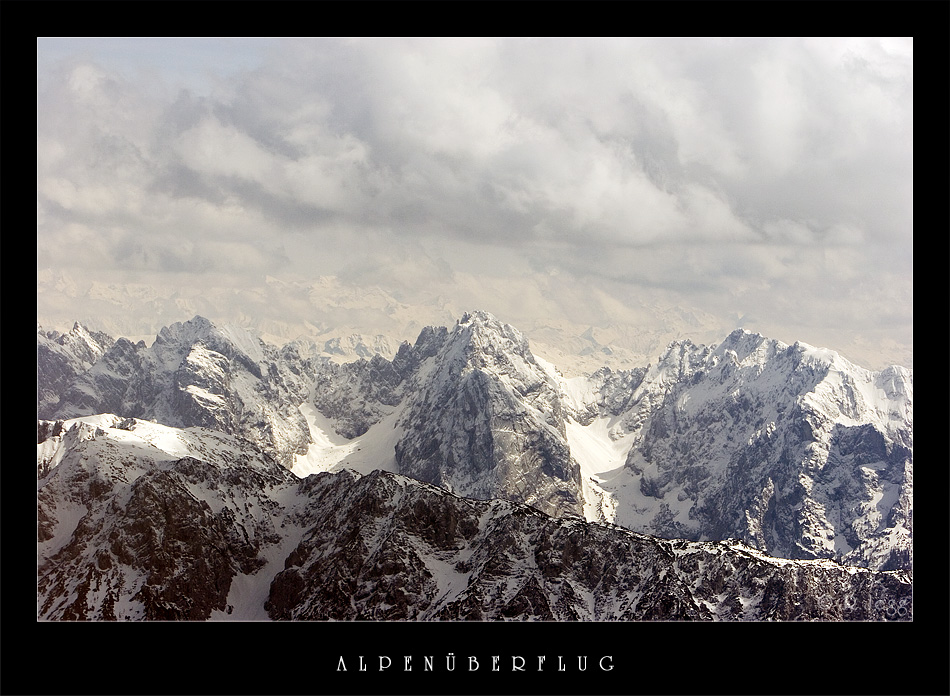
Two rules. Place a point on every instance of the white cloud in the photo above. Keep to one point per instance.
(720, 172)
(210, 148)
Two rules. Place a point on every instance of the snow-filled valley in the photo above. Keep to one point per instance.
(329, 451)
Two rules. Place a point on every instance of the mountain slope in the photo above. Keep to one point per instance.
(385, 547)
(790, 448)
(145, 522)
(197, 374)
(470, 410)
(60, 358)
(487, 422)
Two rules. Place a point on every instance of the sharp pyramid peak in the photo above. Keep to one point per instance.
(186, 332)
(485, 324)
(480, 333)
(478, 316)
(747, 344)
(220, 337)
(741, 337)
(81, 338)
(196, 322)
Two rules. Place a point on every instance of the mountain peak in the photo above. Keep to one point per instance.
(482, 333)
(746, 344)
(225, 338)
(486, 421)
(482, 322)
(187, 331)
(478, 317)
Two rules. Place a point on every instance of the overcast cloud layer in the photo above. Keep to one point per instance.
(766, 183)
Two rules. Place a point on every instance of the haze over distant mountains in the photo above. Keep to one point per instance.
(578, 327)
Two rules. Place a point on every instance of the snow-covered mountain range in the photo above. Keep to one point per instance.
(789, 452)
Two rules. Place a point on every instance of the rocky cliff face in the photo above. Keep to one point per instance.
(60, 358)
(384, 547)
(196, 374)
(146, 522)
(357, 395)
(792, 449)
(477, 414)
(487, 422)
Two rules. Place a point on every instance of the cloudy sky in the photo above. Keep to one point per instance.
(764, 183)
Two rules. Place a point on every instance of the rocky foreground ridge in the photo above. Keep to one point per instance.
(140, 521)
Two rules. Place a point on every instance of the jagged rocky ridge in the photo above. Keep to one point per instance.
(791, 449)
(139, 521)
(196, 374)
(386, 547)
(60, 358)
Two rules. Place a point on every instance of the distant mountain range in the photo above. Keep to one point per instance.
(465, 478)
